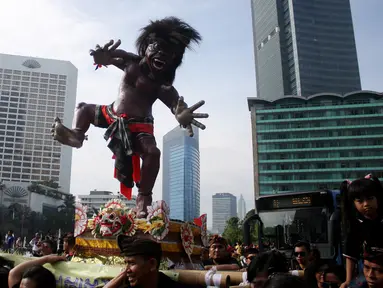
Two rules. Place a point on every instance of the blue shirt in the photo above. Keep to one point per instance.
(10, 240)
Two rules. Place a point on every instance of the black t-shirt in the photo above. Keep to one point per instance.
(226, 261)
(364, 232)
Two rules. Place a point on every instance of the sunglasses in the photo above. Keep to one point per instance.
(302, 254)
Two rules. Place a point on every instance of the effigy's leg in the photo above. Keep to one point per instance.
(147, 147)
(84, 116)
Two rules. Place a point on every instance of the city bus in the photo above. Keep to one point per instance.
(284, 219)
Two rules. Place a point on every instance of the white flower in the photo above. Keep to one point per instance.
(81, 219)
(158, 217)
(158, 206)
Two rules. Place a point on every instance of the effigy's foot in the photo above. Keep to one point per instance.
(143, 200)
(67, 136)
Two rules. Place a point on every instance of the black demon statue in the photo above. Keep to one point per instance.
(148, 76)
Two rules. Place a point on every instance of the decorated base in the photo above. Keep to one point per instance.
(96, 238)
(172, 248)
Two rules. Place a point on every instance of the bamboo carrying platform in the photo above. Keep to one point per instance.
(88, 246)
(201, 277)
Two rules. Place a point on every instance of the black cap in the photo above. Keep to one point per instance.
(131, 246)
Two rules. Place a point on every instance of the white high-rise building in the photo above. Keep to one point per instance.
(95, 199)
(241, 208)
(33, 92)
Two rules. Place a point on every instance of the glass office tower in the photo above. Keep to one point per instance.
(304, 47)
(181, 174)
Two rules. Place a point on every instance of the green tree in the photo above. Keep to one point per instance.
(69, 202)
(50, 183)
(3, 187)
(36, 223)
(36, 188)
(43, 187)
(66, 212)
(233, 230)
(19, 215)
(60, 218)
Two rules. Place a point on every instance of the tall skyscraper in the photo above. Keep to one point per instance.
(241, 208)
(304, 47)
(33, 92)
(224, 207)
(180, 172)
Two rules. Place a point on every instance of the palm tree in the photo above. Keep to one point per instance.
(20, 213)
(67, 210)
(3, 187)
(63, 217)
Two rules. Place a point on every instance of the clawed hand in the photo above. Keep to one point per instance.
(185, 116)
(103, 55)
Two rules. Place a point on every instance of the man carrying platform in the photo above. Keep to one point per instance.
(142, 258)
(219, 257)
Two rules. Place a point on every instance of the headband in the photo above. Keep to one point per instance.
(368, 176)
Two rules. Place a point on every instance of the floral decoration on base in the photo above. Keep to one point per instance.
(115, 218)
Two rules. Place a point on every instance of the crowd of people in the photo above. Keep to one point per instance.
(363, 254)
(32, 274)
(39, 246)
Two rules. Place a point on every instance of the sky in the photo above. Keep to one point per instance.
(220, 71)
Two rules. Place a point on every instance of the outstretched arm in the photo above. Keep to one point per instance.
(169, 96)
(121, 58)
(110, 55)
(185, 115)
(126, 56)
(117, 281)
(17, 272)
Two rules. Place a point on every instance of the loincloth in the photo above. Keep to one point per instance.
(120, 130)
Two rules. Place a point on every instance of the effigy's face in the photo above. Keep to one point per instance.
(160, 55)
(110, 224)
